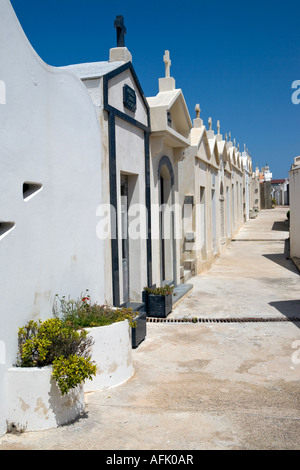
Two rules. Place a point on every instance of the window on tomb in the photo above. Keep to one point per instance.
(30, 189)
(5, 228)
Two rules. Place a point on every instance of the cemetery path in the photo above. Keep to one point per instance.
(252, 278)
(198, 385)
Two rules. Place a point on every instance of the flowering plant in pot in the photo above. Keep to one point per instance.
(158, 301)
(83, 313)
(110, 328)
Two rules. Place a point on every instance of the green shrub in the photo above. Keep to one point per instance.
(165, 290)
(71, 371)
(53, 342)
(82, 313)
(288, 214)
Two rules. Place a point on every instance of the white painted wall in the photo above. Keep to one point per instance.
(49, 135)
(295, 212)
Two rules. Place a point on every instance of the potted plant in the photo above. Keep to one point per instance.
(138, 333)
(158, 301)
(45, 387)
(110, 329)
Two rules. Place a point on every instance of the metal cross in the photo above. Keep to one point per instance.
(167, 62)
(121, 31)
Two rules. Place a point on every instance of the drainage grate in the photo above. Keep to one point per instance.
(224, 320)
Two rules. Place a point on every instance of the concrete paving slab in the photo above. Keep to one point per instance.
(254, 277)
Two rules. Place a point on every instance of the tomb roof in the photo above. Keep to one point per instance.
(93, 69)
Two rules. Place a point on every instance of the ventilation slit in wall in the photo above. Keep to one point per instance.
(5, 228)
(30, 189)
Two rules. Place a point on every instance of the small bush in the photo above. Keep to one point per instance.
(165, 290)
(82, 313)
(71, 371)
(54, 343)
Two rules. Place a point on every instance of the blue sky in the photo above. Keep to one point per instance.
(238, 60)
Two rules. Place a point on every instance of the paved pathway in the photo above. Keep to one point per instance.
(207, 385)
(253, 277)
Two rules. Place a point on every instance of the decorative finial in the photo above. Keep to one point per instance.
(238, 147)
(226, 137)
(244, 147)
(210, 123)
(198, 110)
(167, 62)
(121, 30)
(218, 127)
(234, 142)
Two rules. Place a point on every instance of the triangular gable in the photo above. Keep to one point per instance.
(199, 140)
(180, 116)
(215, 160)
(224, 152)
(115, 76)
(233, 156)
(169, 111)
(122, 90)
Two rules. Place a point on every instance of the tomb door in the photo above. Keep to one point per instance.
(125, 240)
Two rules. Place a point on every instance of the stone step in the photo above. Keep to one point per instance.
(187, 275)
(190, 265)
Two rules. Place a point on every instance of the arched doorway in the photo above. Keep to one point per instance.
(167, 221)
(222, 211)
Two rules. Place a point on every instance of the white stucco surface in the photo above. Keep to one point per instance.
(49, 136)
(295, 211)
(35, 402)
(112, 353)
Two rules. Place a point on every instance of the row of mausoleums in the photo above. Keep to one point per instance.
(177, 191)
(103, 188)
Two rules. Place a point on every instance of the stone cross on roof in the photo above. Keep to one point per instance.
(198, 110)
(167, 62)
(121, 30)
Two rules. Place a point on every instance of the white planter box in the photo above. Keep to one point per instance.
(112, 353)
(35, 402)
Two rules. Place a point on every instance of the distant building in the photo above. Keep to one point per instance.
(280, 191)
(265, 179)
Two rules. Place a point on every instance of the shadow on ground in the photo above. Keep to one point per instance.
(288, 308)
(283, 259)
(281, 226)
